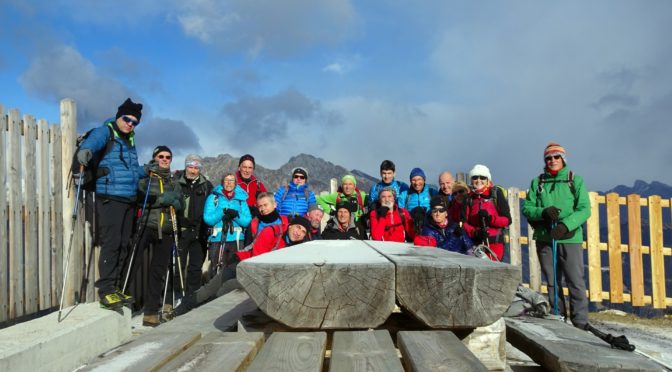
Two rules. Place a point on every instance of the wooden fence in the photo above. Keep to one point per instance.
(36, 224)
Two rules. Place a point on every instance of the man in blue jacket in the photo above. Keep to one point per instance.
(112, 147)
(387, 172)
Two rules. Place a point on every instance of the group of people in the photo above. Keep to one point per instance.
(181, 213)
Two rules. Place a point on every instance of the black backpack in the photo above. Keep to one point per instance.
(91, 172)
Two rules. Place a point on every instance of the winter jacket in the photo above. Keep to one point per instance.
(400, 187)
(574, 204)
(252, 187)
(260, 222)
(120, 163)
(195, 193)
(445, 238)
(294, 199)
(500, 217)
(419, 199)
(328, 202)
(391, 227)
(214, 213)
(269, 239)
(333, 230)
(157, 210)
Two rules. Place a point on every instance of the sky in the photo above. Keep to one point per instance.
(440, 85)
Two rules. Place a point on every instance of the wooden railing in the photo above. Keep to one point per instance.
(634, 250)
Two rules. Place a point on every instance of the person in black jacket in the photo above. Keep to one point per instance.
(193, 232)
(343, 226)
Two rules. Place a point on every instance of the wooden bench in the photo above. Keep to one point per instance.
(436, 351)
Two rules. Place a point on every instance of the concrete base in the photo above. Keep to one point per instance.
(45, 344)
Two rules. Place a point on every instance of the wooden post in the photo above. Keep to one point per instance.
(333, 185)
(15, 222)
(4, 267)
(56, 201)
(514, 229)
(43, 207)
(656, 250)
(533, 259)
(614, 244)
(31, 254)
(635, 250)
(68, 139)
(593, 243)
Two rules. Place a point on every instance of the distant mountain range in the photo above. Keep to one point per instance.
(644, 189)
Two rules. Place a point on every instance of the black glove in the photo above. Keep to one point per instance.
(484, 216)
(151, 167)
(418, 214)
(230, 214)
(254, 211)
(459, 231)
(84, 156)
(382, 211)
(481, 235)
(559, 231)
(550, 214)
(171, 198)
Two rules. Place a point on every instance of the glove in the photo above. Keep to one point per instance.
(230, 214)
(382, 211)
(459, 231)
(171, 198)
(77, 180)
(254, 211)
(550, 214)
(151, 167)
(84, 156)
(418, 214)
(481, 235)
(559, 231)
(483, 215)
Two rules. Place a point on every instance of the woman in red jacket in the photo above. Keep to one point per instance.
(488, 213)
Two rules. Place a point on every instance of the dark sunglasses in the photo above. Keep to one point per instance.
(299, 176)
(130, 121)
(556, 157)
(459, 192)
(438, 210)
(482, 178)
(168, 157)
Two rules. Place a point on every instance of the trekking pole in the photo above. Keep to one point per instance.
(72, 235)
(554, 248)
(222, 242)
(179, 262)
(137, 238)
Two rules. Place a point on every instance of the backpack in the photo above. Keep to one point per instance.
(254, 225)
(360, 202)
(569, 180)
(91, 172)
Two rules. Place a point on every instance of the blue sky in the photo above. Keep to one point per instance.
(441, 85)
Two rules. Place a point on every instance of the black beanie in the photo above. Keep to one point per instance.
(247, 157)
(161, 148)
(438, 201)
(129, 108)
(300, 220)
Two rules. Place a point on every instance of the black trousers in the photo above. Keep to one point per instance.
(192, 254)
(159, 267)
(115, 226)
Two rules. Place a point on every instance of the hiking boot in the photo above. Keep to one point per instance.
(126, 299)
(151, 320)
(111, 301)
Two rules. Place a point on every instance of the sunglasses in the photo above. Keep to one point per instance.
(482, 178)
(130, 121)
(299, 176)
(167, 157)
(438, 210)
(460, 192)
(229, 181)
(555, 157)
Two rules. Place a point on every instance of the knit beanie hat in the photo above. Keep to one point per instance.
(554, 149)
(193, 160)
(417, 172)
(480, 170)
(247, 157)
(129, 108)
(300, 170)
(349, 177)
(344, 204)
(438, 201)
(300, 220)
(161, 148)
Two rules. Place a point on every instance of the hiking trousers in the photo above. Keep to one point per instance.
(115, 226)
(570, 268)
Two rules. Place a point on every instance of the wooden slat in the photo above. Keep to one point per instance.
(70, 226)
(364, 351)
(31, 253)
(436, 351)
(593, 242)
(291, 351)
(514, 229)
(56, 212)
(16, 265)
(4, 266)
(614, 242)
(533, 259)
(635, 250)
(219, 351)
(44, 223)
(657, 267)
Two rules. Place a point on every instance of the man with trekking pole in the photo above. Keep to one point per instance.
(557, 205)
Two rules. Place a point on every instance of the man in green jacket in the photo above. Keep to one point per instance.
(347, 193)
(557, 205)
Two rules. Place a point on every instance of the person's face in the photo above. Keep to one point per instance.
(192, 172)
(348, 187)
(229, 183)
(126, 123)
(343, 216)
(164, 158)
(315, 217)
(387, 175)
(266, 205)
(479, 182)
(418, 183)
(299, 179)
(439, 215)
(446, 184)
(246, 169)
(387, 199)
(459, 195)
(296, 232)
(554, 162)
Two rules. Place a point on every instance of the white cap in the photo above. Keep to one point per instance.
(480, 170)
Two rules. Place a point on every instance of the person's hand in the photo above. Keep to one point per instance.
(171, 198)
(230, 214)
(84, 156)
(459, 231)
(151, 167)
(550, 214)
(559, 231)
(481, 235)
(484, 216)
(382, 211)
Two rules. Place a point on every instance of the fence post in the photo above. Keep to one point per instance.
(635, 250)
(68, 138)
(333, 185)
(56, 207)
(514, 229)
(656, 250)
(31, 254)
(44, 233)
(15, 223)
(593, 245)
(4, 267)
(614, 246)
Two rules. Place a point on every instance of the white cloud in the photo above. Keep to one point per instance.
(336, 68)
